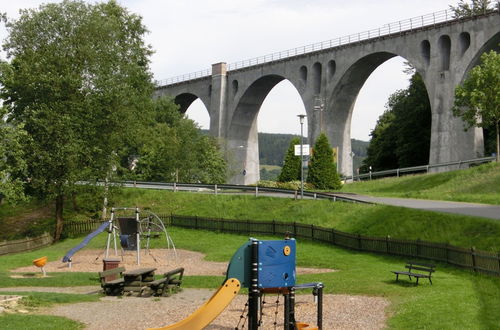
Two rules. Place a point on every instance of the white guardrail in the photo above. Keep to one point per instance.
(415, 169)
(387, 29)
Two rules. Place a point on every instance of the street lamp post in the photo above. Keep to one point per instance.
(318, 107)
(352, 164)
(301, 118)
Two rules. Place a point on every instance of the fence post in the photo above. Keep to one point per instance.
(473, 255)
(498, 256)
(294, 229)
(359, 241)
(387, 238)
(215, 190)
(256, 191)
(196, 222)
(274, 227)
(175, 186)
(333, 237)
(312, 231)
(295, 195)
(314, 195)
(397, 172)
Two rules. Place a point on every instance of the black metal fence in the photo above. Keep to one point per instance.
(479, 261)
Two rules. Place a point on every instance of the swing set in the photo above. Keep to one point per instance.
(134, 232)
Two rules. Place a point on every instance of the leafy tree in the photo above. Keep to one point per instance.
(381, 151)
(12, 164)
(79, 82)
(475, 7)
(477, 100)
(401, 137)
(291, 167)
(175, 149)
(412, 122)
(322, 169)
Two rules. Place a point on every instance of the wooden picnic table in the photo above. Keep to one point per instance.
(135, 280)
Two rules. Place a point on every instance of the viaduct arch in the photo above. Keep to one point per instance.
(442, 53)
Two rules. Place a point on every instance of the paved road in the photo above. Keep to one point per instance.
(477, 210)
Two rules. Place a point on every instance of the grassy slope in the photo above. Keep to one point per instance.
(475, 298)
(372, 220)
(480, 184)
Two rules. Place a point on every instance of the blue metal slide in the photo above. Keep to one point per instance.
(103, 227)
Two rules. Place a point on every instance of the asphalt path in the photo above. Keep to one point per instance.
(477, 210)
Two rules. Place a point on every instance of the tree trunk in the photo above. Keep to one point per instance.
(59, 217)
(105, 201)
(498, 143)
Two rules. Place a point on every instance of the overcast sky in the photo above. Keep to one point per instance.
(190, 35)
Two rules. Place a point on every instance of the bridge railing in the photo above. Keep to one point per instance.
(386, 30)
(184, 77)
(416, 169)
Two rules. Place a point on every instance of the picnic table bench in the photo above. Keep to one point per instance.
(417, 270)
(170, 283)
(113, 287)
(135, 280)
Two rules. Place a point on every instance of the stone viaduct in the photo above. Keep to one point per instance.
(329, 75)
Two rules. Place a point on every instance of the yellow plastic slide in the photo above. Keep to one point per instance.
(210, 309)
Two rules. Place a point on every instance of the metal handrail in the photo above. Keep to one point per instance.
(421, 168)
(217, 187)
(386, 30)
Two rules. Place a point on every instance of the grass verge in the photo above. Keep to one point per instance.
(480, 184)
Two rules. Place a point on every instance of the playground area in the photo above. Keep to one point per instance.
(91, 260)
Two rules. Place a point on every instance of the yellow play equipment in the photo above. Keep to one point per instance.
(40, 262)
(210, 309)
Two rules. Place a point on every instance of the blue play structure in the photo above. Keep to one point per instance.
(128, 230)
(269, 267)
(69, 255)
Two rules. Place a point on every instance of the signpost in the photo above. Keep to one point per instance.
(305, 150)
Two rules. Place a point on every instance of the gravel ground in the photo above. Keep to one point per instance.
(161, 259)
(339, 311)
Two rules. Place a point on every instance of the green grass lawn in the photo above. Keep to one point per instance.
(480, 184)
(457, 299)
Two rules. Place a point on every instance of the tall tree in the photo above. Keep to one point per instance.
(381, 150)
(291, 167)
(412, 120)
(477, 100)
(12, 163)
(474, 7)
(78, 80)
(401, 137)
(176, 150)
(322, 170)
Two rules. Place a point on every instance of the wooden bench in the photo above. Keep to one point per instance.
(114, 287)
(417, 270)
(170, 283)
